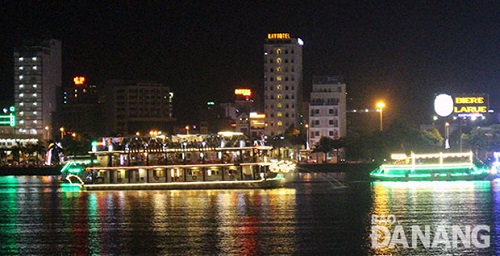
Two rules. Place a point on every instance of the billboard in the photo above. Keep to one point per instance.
(462, 105)
(8, 117)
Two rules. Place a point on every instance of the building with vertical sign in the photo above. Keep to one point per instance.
(282, 82)
(37, 78)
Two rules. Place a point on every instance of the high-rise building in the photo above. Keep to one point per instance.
(37, 78)
(327, 109)
(282, 82)
(81, 110)
(132, 107)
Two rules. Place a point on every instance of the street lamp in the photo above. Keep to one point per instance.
(47, 129)
(446, 135)
(62, 132)
(187, 129)
(380, 106)
(307, 136)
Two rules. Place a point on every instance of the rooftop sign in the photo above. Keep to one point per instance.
(461, 105)
(79, 80)
(278, 36)
(243, 92)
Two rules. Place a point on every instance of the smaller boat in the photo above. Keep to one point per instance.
(439, 166)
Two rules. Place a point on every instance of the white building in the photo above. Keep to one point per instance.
(327, 109)
(282, 82)
(37, 77)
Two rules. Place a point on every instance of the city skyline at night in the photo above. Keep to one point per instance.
(404, 54)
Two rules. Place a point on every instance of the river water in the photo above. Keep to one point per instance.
(314, 216)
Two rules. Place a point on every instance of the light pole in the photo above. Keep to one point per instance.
(380, 106)
(187, 129)
(446, 135)
(307, 136)
(62, 132)
(47, 129)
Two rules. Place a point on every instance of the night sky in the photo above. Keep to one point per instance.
(403, 53)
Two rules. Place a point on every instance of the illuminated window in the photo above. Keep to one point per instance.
(278, 78)
(34, 58)
(35, 121)
(279, 105)
(279, 114)
(21, 77)
(34, 113)
(279, 96)
(35, 85)
(279, 87)
(278, 69)
(21, 104)
(21, 95)
(278, 60)
(21, 59)
(21, 122)
(278, 51)
(34, 104)
(280, 123)
(21, 68)
(21, 86)
(34, 68)
(34, 95)
(21, 113)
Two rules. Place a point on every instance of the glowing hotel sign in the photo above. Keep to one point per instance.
(278, 36)
(461, 105)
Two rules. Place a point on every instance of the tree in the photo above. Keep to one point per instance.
(325, 145)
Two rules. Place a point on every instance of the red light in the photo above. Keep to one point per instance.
(79, 80)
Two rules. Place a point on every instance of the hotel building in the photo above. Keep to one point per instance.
(282, 82)
(327, 109)
(37, 78)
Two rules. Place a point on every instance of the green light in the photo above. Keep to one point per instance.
(429, 170)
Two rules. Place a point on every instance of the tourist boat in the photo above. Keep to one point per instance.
(178, 162)
(440, 166)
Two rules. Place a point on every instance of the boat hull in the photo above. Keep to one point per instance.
(433, 178)
(244, 184)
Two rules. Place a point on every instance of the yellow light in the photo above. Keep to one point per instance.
(278, 36)
(79, 80)
(243, 92)
(380, 104)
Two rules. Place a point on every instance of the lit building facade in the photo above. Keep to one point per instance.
(133, 107)
(282, 82)
(37, 78)
(327, 109)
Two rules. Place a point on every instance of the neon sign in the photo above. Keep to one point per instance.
(462, 105)
(278, 36)
(243, 92)
(79, 80)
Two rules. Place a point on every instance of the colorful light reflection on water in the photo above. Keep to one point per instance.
(38, 215)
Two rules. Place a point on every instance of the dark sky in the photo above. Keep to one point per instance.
(404, 53)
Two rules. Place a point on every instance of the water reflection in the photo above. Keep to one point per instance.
(316, 216)
(434, 204)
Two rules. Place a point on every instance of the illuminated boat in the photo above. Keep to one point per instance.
(440, 166)
(179, 162)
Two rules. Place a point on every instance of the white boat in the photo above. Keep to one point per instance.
(438, 166)
(178, 162)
